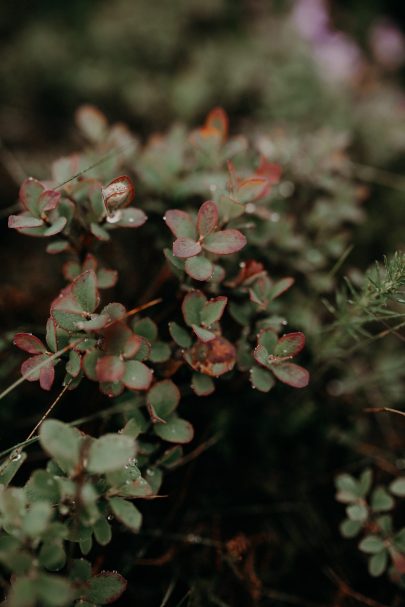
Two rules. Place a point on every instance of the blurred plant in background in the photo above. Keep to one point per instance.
(277, 226)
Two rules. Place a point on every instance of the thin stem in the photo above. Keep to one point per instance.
(384, 410)
(96, 164)
(49, 410)
(120, 408)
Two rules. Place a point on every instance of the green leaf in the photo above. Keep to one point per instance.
(371, 544)
(105, 588)
(203, 334)
(102, 531)
(92, 123)
(30, 191)
(261, 379)
(60, 442)
(349, 528)
(128, 218)
(357, 512)
(202, 385)
(381, 500)
(42, 487)
(199, 267)
(364, 483)
(137, 376)
(37, 519)
(84, 288)
(268, 339)
(378, 563)
(52, 555)
(213, 311)
(160, 352)
(126, 513)
(397, 487)
(80, 570)
(22, 593)
(348, 489)
(109, 453)
(180, 335)
(146, 328)
(163, 397)
(192, 306)
(175, 430)
(54, 591)
(11, 465)
(24, 220)
(399, 540)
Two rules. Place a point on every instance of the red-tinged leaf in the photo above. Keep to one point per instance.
(119, 340)
(217, 119)
(30, 369)
(203, 334)
(252, 189)
(110, 369)
(225, 242)
(185, 247)
(24, 220)
(48, 201)
(261, 355)
(180, 223)
(290, 344)
(213, 358)
(270, 170)
(30, 191)
(91, 122)
(104, 588)
(47, 376)
(137, 376)
(249, 271)
(127, 218)
(118, 193)
(207, 218)
(291, 374)
(29, 343)
(89, 364)
(199, 267)
(90, 263)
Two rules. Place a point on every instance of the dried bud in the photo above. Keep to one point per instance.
(118, 193)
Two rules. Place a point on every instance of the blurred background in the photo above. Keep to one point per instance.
(318, 71)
